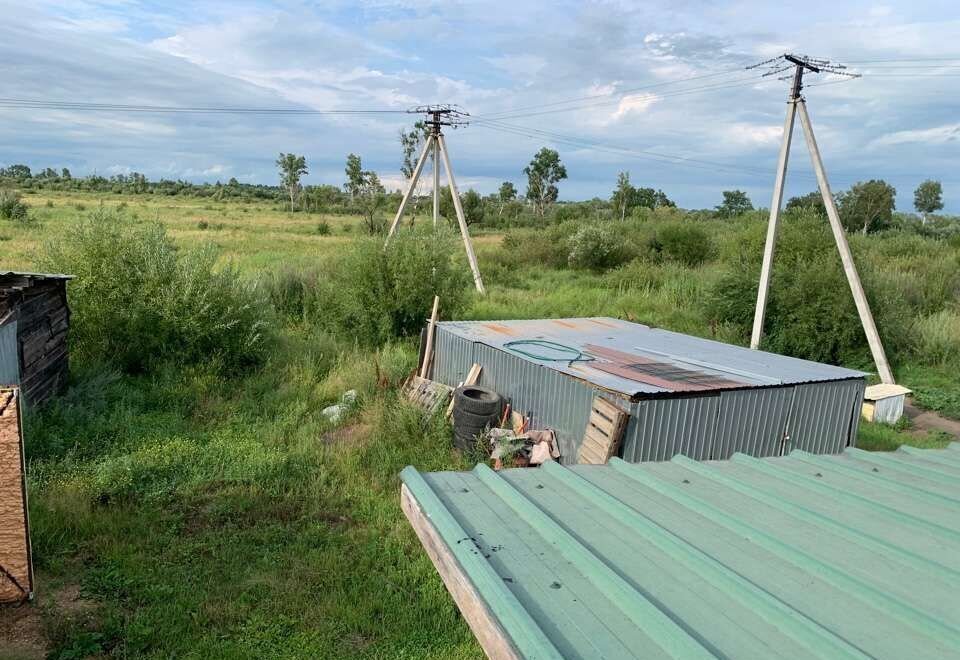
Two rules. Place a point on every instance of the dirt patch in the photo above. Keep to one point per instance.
(22, 634)
(68, 602)
(349, 434)
(927, 420)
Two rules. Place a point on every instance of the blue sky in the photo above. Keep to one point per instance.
(900, 121)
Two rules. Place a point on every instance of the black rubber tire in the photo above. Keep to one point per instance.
(466, 439)
(477, 400)
(467, 419)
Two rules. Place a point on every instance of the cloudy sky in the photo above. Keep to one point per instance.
(656, 88)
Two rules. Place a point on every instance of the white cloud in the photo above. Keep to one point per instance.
(936, 135)
(753, 135)
(633, 103)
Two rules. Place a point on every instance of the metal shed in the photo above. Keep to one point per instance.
(800, 556)
(34, 320)
(685, 395)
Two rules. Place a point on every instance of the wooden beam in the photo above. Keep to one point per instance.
(491, 635)
(428, 352)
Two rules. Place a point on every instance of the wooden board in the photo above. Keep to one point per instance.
(16, 567)
(601, 438)
(427, 394)
(472, 377)
(491, 635)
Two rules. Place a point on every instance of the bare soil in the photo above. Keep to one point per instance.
(927, 420)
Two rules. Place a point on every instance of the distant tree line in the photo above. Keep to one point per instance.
(866, 207)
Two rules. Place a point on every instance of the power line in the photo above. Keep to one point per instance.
(743, 82)
(37, 104)
(621, 92)
(583, 143)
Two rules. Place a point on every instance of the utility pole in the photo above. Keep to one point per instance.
(436, 144)
(797, 105)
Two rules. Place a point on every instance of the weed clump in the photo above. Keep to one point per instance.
(138, 301)
(12, 206)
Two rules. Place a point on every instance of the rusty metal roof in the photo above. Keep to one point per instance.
(800, 556)
(633, 359)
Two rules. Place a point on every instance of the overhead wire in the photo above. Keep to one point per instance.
(38, 104)
(742, 82)
(619, 92)
(592, 145)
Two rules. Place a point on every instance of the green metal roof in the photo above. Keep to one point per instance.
(848, 556)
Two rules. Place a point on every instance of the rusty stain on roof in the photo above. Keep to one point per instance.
(657, 372)
(502, 329)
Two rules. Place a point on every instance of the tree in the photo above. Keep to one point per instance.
(735, 202)
(928, 198)
(370, 198)
(65, 174)
(354, 171)
(506, 194)
(812, 202)
(17, 172)
(651, 199)
(543, 173)
(867, 206)
(624, 196)
(473, 207)
(410, 143)
(291, 167)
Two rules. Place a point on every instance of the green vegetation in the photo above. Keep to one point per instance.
(188, 484)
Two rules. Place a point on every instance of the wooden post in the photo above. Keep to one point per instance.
(428, 352)
(467, 243)
(773, 226)
(428, 145)
(849, 268)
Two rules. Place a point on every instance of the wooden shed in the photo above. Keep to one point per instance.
(34, 320)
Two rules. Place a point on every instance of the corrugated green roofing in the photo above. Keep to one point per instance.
(856, 555)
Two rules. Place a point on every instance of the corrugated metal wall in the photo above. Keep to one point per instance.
(752, 422)
(819, 417)
(824, 415)
(555, 400)
(660, 428)
(9, 356)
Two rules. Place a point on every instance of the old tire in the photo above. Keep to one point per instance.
(467, 419)
(476, 400)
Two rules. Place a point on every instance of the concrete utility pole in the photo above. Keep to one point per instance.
(440, 115)
(797, 105)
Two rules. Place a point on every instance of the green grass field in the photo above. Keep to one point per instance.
(180, 513)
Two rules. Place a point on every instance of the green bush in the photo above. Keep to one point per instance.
(12, 206)
(684, 242)
(137, 301)
(810, 311)
(374, 294)
(598, 248)
(540, 247)
(323, 228)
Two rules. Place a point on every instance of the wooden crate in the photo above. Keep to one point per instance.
(428, 394)
(601, 440)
